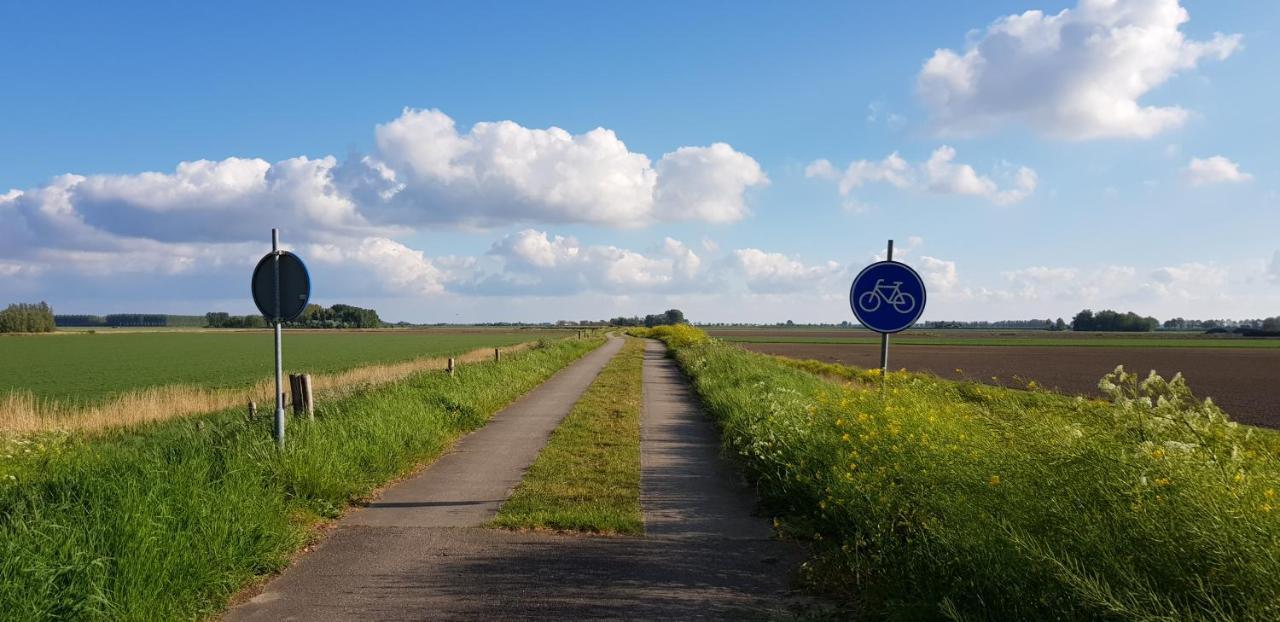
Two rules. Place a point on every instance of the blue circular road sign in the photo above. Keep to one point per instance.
(887, 297)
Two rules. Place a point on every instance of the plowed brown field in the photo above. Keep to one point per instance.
(1244, 382)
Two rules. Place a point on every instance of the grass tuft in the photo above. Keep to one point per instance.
(587, 478)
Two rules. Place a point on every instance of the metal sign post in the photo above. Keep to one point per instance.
(281, 288)
(275, 270)
(884, 337)
(887, 297)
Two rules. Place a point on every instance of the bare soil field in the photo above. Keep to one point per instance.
(1243, 381)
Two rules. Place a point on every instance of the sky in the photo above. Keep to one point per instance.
(576, 160)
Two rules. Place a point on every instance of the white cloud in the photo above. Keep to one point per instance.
(503, 172)
(1214, 170)
(705, 183)
(776, 272)
(423, 172)
(535, 262)
(939, 275)
(940, 174)
(1078, 74)
(400, 269)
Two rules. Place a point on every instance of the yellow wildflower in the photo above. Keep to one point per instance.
(1269, 493)
(1162, 481)
(1158, 453)
(994, 481)
(1265, 508)
(845, 437)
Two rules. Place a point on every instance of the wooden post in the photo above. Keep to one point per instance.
(308, 396)
(253, 409)
(451, 365)
(497, 354)
(295, 392)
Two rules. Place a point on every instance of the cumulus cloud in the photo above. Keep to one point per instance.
(400, 269)
(428, 171)
(1116, 284)
(705, 183)
(1078, 74)
(940, 174)
(768, 272)
(424, 172)
(1214, 170)
(536, 262)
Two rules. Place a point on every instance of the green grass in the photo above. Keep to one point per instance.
(87, 368)
(587, 478)
(925, 499)
(167, 521)
(1091, 341)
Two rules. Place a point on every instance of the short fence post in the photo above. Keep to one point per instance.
(497, 354)
(308, 396)
(253, 409)
(295, 393)
(451, 366)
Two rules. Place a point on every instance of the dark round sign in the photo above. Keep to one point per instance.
(281, 299)
(887, 297)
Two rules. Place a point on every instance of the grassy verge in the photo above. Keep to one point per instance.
(1019, 341)
(587, 478)
(168, 520)
(931, 499)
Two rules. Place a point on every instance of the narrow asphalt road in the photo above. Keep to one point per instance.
(420, 553)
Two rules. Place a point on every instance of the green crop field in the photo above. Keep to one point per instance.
(85, 368)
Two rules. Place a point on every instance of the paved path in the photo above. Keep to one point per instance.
(419, 553)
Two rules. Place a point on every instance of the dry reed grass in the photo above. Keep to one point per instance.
(22, 413)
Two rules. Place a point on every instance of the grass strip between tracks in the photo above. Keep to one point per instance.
(587, 478)
(166, 521)
(927, 499)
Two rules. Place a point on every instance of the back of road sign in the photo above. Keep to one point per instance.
(295, 287)
(887, 297)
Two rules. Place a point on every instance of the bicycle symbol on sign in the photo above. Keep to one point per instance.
(901, 302)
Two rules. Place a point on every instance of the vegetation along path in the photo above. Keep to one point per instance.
(420, 551)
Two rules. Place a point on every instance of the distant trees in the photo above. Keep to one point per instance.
(1112, 321)
(667, 318)
(27, 318)
(128, 320)
(220, 319)
(314, 316)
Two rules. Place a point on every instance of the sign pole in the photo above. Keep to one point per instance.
(884, 337)
(275, 250)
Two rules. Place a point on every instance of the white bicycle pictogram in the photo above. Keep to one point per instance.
(901, 301)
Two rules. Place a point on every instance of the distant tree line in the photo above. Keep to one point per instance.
(314, 316)
(1045, 324)
(1178, 323)
(668, 318)
(1112, 321)
(127, 320)
(27, 318)
(222, 319)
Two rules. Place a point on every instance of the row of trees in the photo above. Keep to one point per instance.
(128, 319)
(1178, 323)
(314, 316)
(27, 318)
(668, 318)
(1112, 321)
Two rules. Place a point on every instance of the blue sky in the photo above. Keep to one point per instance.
(1116, 155)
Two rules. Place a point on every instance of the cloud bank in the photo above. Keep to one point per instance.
(940, 174)
(1076, 75)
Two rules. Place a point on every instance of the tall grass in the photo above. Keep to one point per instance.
(167, 520)
(22, 412)
(929, 499)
